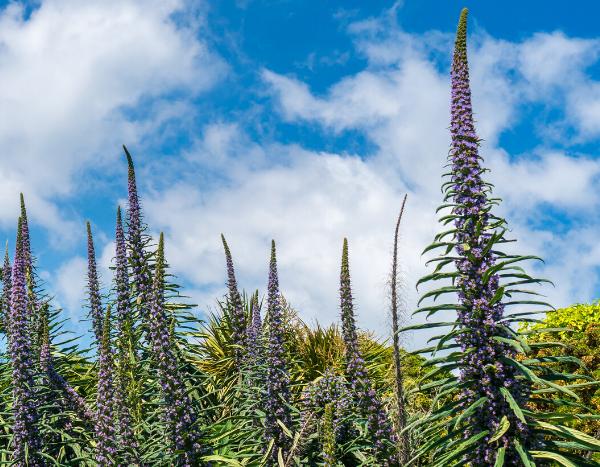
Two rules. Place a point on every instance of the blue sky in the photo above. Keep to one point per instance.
(302, 121)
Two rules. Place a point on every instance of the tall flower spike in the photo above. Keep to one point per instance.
(105, 409)
(480, 313)
(238, 317)
(128, 441)
(141, 279)
(404, 440)
(179, 414)
(379, 426)
(34, 305)
(491, 421)
(95, 301)
(6, 286)
(254, 330)
(25, 233)
(277, 378)
(26, 438)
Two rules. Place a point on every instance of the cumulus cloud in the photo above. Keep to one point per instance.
(309, 200)
(71, 76)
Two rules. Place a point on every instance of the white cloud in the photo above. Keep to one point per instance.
(71, 76)
(308, 201)
(69, 284)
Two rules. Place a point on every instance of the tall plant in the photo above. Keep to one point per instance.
(367, 400)
(482, 415)
(277, 378)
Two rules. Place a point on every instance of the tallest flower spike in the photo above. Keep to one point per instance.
(479, 314)
(490, 377)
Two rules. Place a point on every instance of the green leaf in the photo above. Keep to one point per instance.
(500, 457)
(472, 408)
(502, 428)
(523, 454)
(513, 404)
(554, 456)
(572, 433)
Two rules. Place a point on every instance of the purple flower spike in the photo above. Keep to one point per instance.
(137, 255)
(129, 444)
(94, 288)
(380, 428)
(25, 232)
(179, 414)
(26, 438)
(30, 278)
(480, 312)
(238, 317)
(105, 410)
(277, 378)
(254, 330)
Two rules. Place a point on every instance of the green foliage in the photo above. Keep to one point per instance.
(572, 338)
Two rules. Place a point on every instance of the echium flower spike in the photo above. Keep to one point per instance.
(105, 409)
(33, 302)
(254, 330)
(128, 442)
(380, 429)
(493, 421)
(6, 287)
(179, 414)
(26, 438)
(237, 315)
(480, 312)
(95, 302)
(277, 379)
(25, 233)
(137, 256)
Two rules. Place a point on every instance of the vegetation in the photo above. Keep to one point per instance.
(501, 385)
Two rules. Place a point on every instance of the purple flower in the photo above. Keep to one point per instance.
(128, 441)
(277, 378)
(235, 307)
(26, 438)
(480, 312)
(380, 429)
(254, 330)
(330, 390)
(178, 411)
(95, 301)
(135, 240)
(105, 409)
(30, 279)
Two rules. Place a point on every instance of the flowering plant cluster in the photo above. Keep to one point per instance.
(161, 386)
